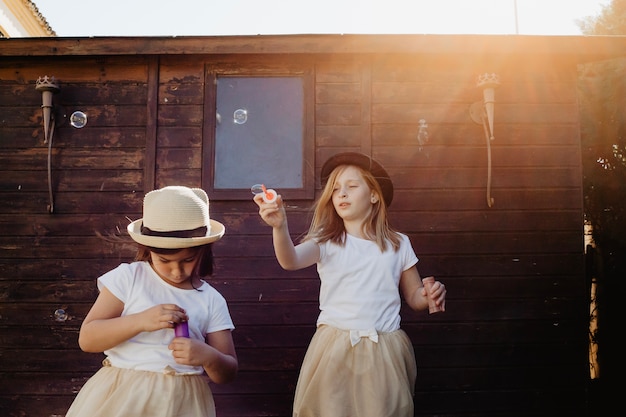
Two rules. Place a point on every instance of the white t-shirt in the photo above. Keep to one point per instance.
(360, 284)
(139, 288)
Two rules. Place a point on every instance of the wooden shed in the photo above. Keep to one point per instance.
(498, 219)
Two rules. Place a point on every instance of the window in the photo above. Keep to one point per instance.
(260, 132)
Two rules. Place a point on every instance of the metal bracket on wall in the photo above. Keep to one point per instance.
(482, 112)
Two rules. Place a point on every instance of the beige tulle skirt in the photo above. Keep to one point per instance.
(116, 392)
(366, 380)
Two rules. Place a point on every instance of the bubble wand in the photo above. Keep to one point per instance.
(269, 195)
(181, 329)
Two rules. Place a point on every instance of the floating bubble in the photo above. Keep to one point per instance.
(240, 116)
(78, 119)
(256, 189)
(60, 315)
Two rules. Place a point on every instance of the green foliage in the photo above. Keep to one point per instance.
(602, 96)
(611, 21)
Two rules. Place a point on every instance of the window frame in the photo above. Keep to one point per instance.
(212, 73)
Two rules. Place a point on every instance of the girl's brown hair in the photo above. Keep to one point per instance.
(327, 225)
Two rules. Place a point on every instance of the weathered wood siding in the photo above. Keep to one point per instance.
(513, 340)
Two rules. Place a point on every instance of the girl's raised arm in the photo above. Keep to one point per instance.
(289, 256)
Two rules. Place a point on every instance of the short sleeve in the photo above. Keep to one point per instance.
(118, 281)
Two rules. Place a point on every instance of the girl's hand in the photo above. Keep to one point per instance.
(437, 293)
(104, 326)
(272, 213)
(188, 351)
(162, 316)
(216, 355)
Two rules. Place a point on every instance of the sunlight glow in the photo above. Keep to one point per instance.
(253, 17)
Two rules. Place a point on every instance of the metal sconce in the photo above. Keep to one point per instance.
(482, 112)
(48, 87)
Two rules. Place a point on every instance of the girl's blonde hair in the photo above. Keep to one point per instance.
(327, 225)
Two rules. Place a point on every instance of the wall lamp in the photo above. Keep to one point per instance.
(482, 112)
(48, 87)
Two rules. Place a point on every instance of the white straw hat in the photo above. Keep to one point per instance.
(175, 217)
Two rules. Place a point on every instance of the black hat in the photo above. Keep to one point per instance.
(367, 163)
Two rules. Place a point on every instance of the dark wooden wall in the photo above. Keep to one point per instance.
(513, 340)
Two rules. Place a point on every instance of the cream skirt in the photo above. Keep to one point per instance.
(366, 380)
(116, 392)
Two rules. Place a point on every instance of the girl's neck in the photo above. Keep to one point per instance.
(355, 229)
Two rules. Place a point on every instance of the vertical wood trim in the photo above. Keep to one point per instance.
(208, 128)
(308, 134)
(149, 174)
(366, 109)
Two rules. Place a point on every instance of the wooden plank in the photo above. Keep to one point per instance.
(180, 115)
(459, 113)
(474, 199)
(74, 69)
(181, 94)
(149, 167)
(337, 136)
(76, 159)
(174, 158)
(179, 137)
(449, 134)
(522, 49)
(429, 91)
(338, 93)
(257, 313)
(503, 178)
(337, 114)
(75, 180)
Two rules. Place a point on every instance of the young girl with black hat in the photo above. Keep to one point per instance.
(359, 362)
(149, 369)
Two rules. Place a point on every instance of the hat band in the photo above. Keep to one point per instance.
(197, 232)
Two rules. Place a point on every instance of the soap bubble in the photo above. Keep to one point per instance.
(256, 189)
(60, 315)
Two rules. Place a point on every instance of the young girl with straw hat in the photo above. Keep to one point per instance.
(149, 369)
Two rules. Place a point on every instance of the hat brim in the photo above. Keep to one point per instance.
(362, 161)
(214, 234)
